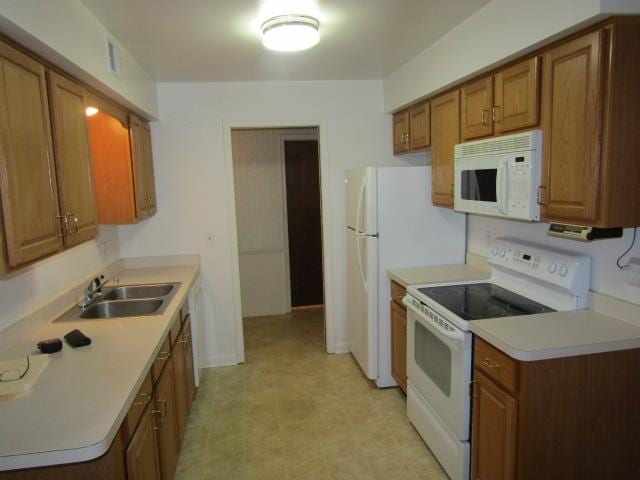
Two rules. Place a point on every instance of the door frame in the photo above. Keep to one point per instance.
(291, 137)
(327, 250)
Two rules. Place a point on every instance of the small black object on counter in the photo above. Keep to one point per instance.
(52, 345)
(76, 338)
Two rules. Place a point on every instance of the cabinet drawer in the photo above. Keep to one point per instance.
(143, 397)
(161, 359)
(496, 365)
(174, 333)
(398, 292)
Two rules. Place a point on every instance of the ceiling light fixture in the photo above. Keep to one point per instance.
(91, 111)
(290, 33)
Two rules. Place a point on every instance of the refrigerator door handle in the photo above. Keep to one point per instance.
(363, 188)
(359, 238)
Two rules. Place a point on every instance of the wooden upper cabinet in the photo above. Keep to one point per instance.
(122, 164)
(476, 107)
(72, 159)
(494, 431)
(29, 197)
(516, 97)
(572, 106)
(401, 142)
(420, 127)
(445, 134)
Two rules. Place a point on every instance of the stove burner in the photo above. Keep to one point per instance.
(483, 311)
(448, 291)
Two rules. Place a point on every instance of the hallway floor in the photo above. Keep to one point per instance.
(293, 412)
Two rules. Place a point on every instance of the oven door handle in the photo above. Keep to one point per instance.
(456, 334)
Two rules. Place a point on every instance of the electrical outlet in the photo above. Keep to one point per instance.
(208, 238)
(633, 272)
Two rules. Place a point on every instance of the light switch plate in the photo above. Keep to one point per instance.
(633, 272)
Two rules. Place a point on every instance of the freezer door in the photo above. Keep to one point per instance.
(361, 203)
(361, 300)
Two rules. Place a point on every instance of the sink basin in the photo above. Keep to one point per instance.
(138, 291)
(123, 308)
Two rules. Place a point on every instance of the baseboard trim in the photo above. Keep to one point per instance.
(217, 361)
(341, 348)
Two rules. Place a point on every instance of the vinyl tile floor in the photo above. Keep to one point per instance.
(294, 412)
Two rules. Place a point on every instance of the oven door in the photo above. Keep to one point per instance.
(439, 366)
(481, 185)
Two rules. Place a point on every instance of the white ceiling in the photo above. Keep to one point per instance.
(218, 40)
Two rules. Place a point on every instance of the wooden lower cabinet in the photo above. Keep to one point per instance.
(494, 431)
(164, 402)
(572, 418)
(180, 372)
(190, 374)
(399, 344)
(143, 462)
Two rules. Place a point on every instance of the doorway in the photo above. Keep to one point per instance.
(277, 193)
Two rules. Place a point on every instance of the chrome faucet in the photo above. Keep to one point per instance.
(93, 292)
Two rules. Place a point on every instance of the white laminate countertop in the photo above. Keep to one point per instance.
(84, 394)
(558, 334)
(438, 274)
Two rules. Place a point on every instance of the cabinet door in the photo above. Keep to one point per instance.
(142, 453)
(445, 133)
(476, 103)
(182, 407)
(27, 173)
(494, 431)
(419, 127)
(188, 362)
(401, 132)
(572, 81)
(72, 159)
(140, 170)
(399, 345)
(516, 97)
(167, 433)
(149, 173)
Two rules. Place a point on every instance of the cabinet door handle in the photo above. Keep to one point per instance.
(156, 414)
(64, 226)
(451, 190)
(163, 402)
(489, 363)
(539, 195)
(75, 224)
(485, 113)
(494, 116)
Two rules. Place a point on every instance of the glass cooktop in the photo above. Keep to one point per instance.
(476, 301)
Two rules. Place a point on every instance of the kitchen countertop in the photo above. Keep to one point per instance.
(438, 274)
(557, 334)
(84, 394)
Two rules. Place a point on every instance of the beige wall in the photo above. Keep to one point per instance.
(261, 217)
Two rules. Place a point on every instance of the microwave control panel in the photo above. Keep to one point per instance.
(520, 186)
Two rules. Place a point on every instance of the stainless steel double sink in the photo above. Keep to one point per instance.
(119, 301)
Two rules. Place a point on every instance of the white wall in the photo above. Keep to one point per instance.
(258, 172)
(605, 276)
(189, 156)
(35, 286)
(66, 33)
(503, 29)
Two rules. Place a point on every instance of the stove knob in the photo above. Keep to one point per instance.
(552, 267)
(494, 251)
(563, 271)
(502, 252)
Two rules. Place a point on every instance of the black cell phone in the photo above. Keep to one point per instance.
(76, 338)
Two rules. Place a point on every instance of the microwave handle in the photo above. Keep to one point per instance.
(501, 186)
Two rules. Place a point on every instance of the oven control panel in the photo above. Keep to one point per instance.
(565, 269)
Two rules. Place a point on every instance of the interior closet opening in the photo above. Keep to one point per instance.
(276, 173)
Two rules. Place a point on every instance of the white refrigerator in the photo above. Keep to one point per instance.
(391, 224)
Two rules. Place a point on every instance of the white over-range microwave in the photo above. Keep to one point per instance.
(499, 176)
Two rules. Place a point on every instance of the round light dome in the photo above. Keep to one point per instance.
(290, 33)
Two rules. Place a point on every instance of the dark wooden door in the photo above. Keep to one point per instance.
(303, 216)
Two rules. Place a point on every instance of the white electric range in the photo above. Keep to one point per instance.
(525, 279)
